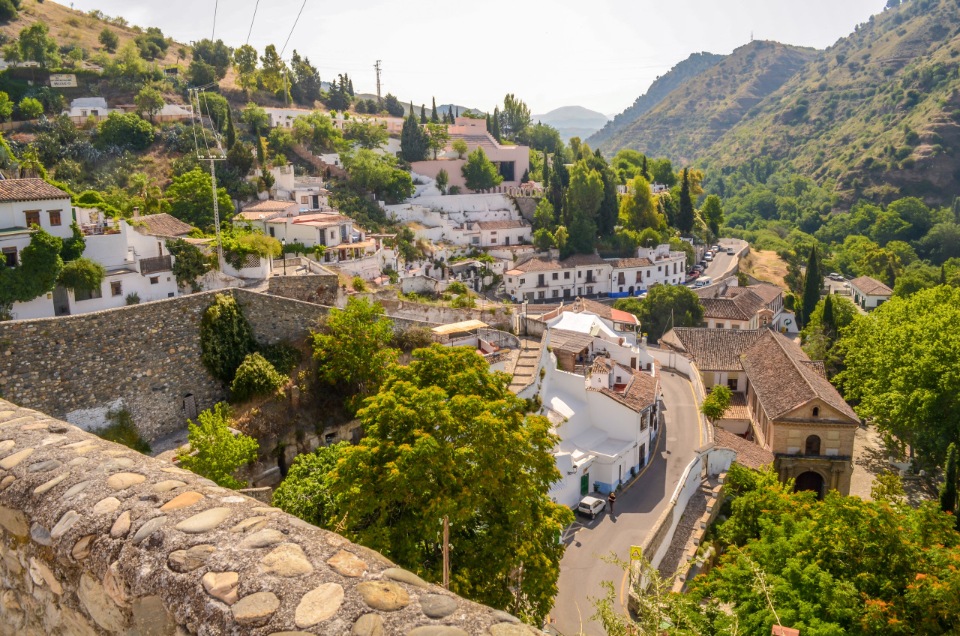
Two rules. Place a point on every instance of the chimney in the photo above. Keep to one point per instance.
(136, 212)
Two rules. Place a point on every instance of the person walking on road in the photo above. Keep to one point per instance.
(611, 499)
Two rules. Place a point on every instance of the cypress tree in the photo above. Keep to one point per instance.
(644, 172)
(434, 117)
(423, 114)
(489, 125)
(546, 169)
(496, 123)
(943, 274)
(812, 283)
(413, 143)
(450, 115)
(829, 321)
(948, 491)
(231, 131)
(685, 218)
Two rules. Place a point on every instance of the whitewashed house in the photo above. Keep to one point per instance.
(869, 293)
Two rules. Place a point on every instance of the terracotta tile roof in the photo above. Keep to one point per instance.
(742, 306)
(712, 349)
(632, 262)
(784, 378)
(537, 265)
(766, 291)
(500, 225)
(640, 395)
(270, 205)
(600, 365)
(871, 286)
(321, 220)
(749, 455)
(569, 341)
(738, 408)
(29, 190)
(161, 225)
(579, 260)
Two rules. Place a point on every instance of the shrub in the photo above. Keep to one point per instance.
(214, 451)
(122, 430)
(716, 404)
(125, 130)
(456, 287)
(256, 376)
(283, 356)
(30, 108)
(463, 302)
(413, 338)
(133, 298)
(82, 273)
(359, 284)
(225, 338)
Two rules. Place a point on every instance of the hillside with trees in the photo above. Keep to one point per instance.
(691, 67)
(697, 113)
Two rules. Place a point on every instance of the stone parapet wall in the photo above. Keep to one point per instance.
(322, 289)
(98, 539)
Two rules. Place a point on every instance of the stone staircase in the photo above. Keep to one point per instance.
(524, 372)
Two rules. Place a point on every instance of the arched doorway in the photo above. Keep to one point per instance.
(810, 481)
(812, 446)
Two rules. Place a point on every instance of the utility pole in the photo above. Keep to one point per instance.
(377, 68)
(211, 155)
(446, 552)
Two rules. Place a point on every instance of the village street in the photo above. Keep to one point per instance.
(582, 570)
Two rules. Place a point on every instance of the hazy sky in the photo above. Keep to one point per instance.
(601, 54)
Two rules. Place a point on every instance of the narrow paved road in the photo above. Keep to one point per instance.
(582, 571)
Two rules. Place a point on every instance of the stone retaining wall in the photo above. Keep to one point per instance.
(145, 358)
(98, 539)
(323, 289)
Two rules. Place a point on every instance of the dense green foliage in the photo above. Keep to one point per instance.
(125, 130)
(225, 338)
(352, 350)
(717, 402)
(283, 356)
(901, 370)
(40, 266)
(256, 377)
(479, 173)
(379, 174)
(189, 263)
(214, 451)
(82, 274)
(445, 437)
(665, 307)
(191, 199)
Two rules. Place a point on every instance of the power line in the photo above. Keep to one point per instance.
(292, 28)
(214, 31)
(251, 20)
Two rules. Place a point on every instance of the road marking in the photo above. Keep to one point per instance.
(699, 421)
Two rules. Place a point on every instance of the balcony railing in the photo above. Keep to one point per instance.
(156, 264)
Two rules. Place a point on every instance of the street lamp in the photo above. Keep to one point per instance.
(283, 250)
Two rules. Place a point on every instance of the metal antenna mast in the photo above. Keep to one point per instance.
(378, 69)
(206, 153)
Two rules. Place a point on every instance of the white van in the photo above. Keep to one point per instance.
(703, 282)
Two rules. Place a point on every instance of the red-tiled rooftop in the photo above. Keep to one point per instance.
(29, 190)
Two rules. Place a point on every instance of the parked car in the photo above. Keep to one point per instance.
(591, 506)
(730, 250)
(837, 277)
(715, 248)
(694, 274)
(708, 257)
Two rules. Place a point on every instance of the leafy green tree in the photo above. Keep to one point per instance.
(437, 137)
(307, 491)
(199, 73)
(366, 134)
(245, 62)
(36, 45)
(216, 54)
(948, 490)
(637, 209)
(585, 193)
(515, 118)
(150, 101)
(191, 199)
(712, 212)
(37, 274)
(216, 107)
(443, 180)
(444, 437)
(317, 132)
(479, 172)
(82, 274)
(189, 263)
(544, 217)
(900, 370)
(717, 402)
(73, 247)
(665, 307)
(812, 284)
(225, 337)
(125, 130)
(8, 10)
(256, 377)
(109, 40)
(256, 118)
(6, 107)
(30, 108)
(214, 451)
(352, 350)
(460, 147)
(393, 105)
(379, 174)
(305, 88)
